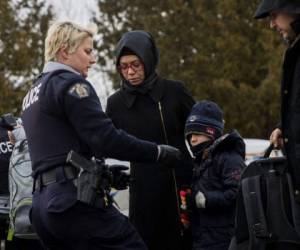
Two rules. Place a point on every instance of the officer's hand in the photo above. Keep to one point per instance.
(200, 200)
(168, 155)
(120, 178)
(276, 138)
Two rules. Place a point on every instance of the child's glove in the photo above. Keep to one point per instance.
(200, 200)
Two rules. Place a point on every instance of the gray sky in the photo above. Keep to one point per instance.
(79, 11)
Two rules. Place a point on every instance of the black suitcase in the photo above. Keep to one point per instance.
(265, 207)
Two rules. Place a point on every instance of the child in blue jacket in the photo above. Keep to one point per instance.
(218, 160)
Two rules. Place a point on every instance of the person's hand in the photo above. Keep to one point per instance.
(200, 200)
(11, 137)
(16, 134)
(120, 178)
(168, 155)
(276, 138)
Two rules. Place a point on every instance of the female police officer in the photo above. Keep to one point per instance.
(62, 112)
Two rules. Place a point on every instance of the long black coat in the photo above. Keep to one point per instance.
(290, 106)
(152, 205)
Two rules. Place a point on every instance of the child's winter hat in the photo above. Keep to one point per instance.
(206, 118)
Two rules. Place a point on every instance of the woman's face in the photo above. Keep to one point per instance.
(82, 59)
(132, 69)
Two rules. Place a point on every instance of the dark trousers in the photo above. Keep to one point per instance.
(212, 238)
(23, 244)
(63, 223)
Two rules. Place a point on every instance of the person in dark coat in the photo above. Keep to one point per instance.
(155, 109)
(72, 209)
(219, 160)
(6, 148)
(285, 18)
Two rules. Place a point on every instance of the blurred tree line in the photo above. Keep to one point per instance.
(215, 47)
(22, 31)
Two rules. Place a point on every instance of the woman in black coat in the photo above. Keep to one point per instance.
(154, 109)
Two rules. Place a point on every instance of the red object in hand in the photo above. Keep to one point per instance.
(184, 212)
(182, 193)
(185, 220)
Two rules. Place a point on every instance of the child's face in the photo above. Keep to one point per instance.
(196, 139)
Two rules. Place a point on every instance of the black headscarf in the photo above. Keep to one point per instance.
(141, 44)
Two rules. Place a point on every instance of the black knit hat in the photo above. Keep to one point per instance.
(206, 118)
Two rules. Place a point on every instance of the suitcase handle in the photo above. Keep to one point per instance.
(269, 150)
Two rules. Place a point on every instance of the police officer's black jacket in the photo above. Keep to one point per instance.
(146, 111)
(290, 104)
(6, 149)
(217, 176)
(62, 112)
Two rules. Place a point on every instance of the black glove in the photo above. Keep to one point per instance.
(120, 179)
(168, 155)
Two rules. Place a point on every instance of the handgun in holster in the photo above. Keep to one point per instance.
(94, 179)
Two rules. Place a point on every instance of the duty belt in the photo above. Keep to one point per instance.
(50, 176)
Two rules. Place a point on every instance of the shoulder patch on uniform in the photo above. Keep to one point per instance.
(79, 90)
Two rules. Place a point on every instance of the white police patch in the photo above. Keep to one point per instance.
(31, 97)
(6, 147)
(79, 90)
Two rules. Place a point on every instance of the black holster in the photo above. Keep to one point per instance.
(94, 180)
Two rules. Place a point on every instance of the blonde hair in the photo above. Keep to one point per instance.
(68, 34)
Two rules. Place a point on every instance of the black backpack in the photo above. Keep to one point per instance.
(265, 207)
